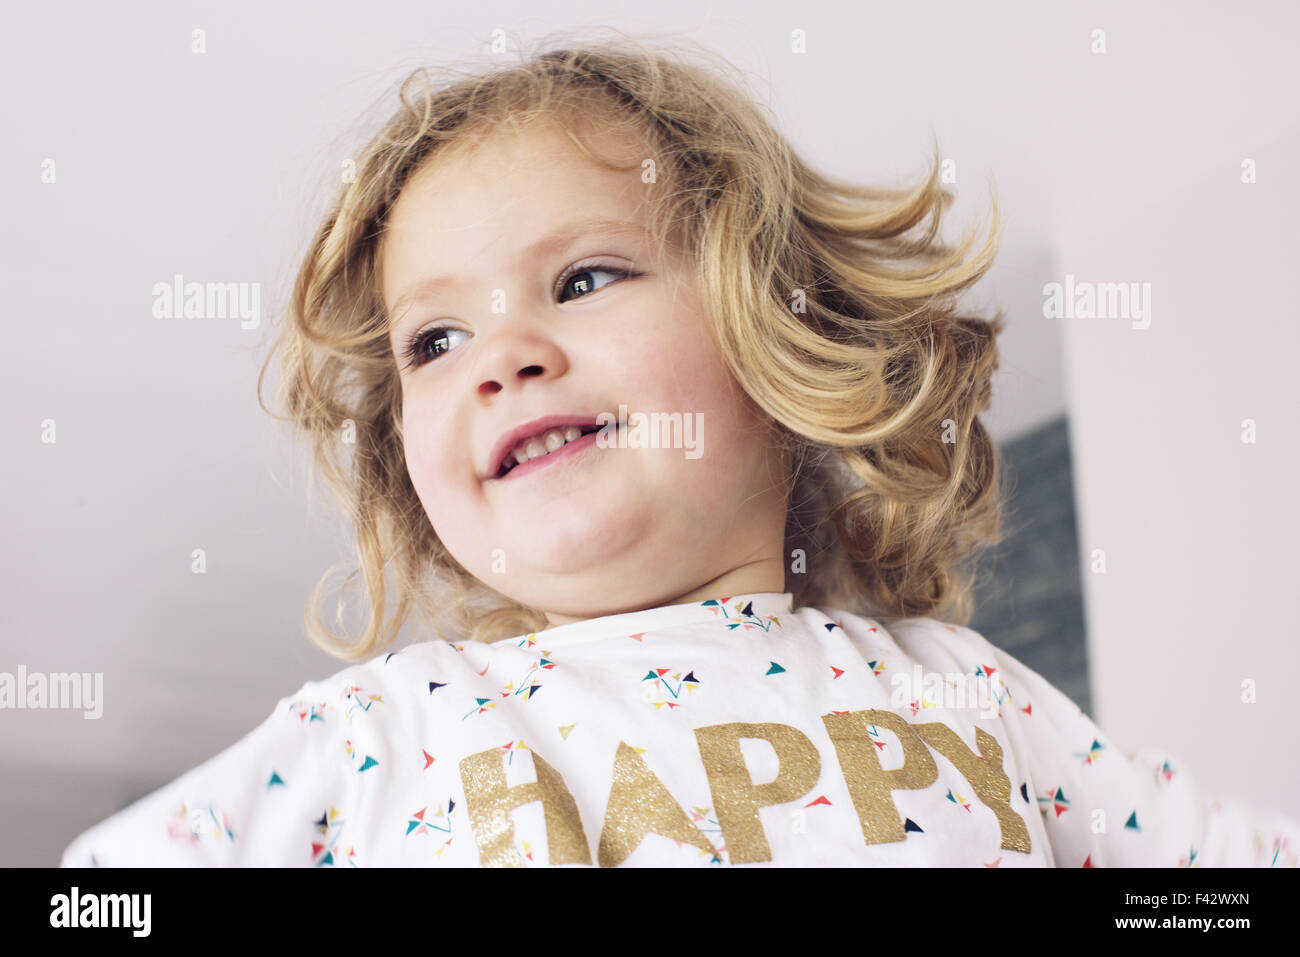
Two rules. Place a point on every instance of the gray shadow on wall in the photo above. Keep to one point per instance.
(1029, 591)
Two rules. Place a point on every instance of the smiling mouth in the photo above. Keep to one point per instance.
(508, 464)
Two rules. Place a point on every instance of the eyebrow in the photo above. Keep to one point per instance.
(559, 239)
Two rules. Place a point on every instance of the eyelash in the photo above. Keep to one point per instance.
(414, 347)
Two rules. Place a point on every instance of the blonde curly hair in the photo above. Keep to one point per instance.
(832, 316)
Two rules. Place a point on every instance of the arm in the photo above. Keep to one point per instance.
(255, 804)
(1103, 807)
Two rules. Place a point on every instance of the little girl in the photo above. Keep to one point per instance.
(536, 284)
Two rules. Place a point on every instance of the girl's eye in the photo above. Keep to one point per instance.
(579, 279)
(428, 345)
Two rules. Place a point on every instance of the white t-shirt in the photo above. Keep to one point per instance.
(735, 731)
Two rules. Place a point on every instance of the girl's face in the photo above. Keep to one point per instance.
(600, 530)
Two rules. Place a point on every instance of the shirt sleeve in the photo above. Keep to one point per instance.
(270, 799)
(1103, 807)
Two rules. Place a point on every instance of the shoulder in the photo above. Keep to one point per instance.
(928, 641)
(391, 675)
(925, 640)
(309, 751)
(941, 644)
(918, 628)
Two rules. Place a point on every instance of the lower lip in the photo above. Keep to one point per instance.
(550, 458)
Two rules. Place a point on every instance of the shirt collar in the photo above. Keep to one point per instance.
(755, 611)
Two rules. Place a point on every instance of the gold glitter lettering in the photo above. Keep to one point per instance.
(870, 785)
(986, 777)
(736, 798)
(640, 804)
(491, 803)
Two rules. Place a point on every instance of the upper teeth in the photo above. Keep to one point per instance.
(541, 444)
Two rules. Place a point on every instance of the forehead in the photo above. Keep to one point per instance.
(496, 195)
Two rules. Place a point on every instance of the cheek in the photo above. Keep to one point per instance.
(727, 433)
(734, 439)
(432, 467)
(419, 462)
(443, 495)
(701, 383)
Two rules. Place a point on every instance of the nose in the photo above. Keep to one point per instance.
(515, 353)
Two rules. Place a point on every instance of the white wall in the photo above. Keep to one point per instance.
(1199, 529)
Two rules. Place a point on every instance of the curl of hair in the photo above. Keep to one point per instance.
(832, 304)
